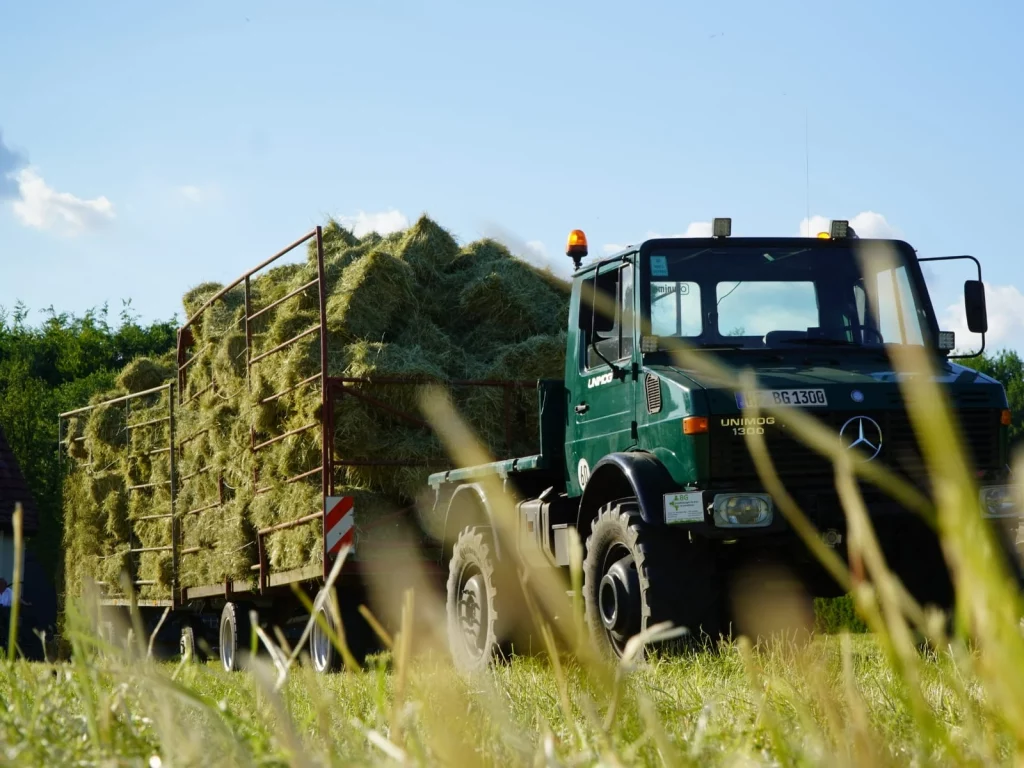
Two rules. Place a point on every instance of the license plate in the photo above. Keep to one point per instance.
(807, 398)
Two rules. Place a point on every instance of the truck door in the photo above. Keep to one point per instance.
(602, 407)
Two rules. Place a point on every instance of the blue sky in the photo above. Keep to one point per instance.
(147, 147)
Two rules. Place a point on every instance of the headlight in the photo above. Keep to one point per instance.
(742, 510)
(999, 500)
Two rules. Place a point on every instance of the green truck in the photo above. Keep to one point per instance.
(645, 458)
(648, 460)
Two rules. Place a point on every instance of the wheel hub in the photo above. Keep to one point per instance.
(473, 612)
(618, 599)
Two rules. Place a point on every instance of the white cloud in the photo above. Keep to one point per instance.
(11, 161)
(537, 248)
(383, 223)
(865, 224)
(1005, 305)
(199, 194)
(41, 207)
(534, 252)
(694, 229)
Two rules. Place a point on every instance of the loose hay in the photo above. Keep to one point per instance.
(410, 304)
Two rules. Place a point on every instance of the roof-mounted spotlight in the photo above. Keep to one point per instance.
(839, 229)
(721, 227)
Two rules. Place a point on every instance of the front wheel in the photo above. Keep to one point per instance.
(636, 575)
(481, 601)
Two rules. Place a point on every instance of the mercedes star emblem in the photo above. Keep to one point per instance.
(862, 432)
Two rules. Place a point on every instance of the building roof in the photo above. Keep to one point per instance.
(14, 489)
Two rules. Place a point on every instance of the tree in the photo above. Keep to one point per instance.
(53, 367)
(1006, 367)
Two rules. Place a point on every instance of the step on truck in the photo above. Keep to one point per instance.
(646, 458)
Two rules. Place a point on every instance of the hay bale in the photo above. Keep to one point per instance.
(538, 357)
(106, 428)
(421, 449)
(110, 567)
(229, 360)
(115, 510)
(424, 338)
(292, 547)
(410, 304)
(336, 237)
(428, 248)
(372, 291)
(144, 373)
(74, 438)
(369, 360)
(84, 535)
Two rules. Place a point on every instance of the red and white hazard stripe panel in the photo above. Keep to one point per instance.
(339, 523)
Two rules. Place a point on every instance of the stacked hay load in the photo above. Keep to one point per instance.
(124, 450)
(412, 305)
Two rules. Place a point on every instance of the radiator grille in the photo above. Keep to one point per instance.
(730, 458)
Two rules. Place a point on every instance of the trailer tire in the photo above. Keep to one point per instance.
(480, 599)
(636, 576)
(235, 631)
(187, 645)
(322, 654)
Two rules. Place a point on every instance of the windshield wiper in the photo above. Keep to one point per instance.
(822, 342)
(716, 345)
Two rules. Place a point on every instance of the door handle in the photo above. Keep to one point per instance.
(582, 408)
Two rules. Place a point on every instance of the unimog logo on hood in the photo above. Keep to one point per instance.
(759, 421)
(597, 381)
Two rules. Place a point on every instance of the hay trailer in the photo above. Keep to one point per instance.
(199, 616)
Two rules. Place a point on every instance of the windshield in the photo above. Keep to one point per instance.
(782, 297)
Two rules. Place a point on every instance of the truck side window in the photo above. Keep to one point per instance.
(895, 300)
(675, 309)
(605, 329)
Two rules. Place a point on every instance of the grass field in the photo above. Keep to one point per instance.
(921, 688)
(833, 701)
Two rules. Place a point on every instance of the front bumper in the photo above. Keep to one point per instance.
(705, 511)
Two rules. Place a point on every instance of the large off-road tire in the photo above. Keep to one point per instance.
(482, 598)
(636, 575)
(235, 631)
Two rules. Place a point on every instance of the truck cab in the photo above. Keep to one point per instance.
(652, 466)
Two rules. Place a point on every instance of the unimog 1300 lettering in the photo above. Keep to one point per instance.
(647, 458)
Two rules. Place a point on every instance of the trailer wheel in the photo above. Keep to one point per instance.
(636, 576)
(187, 645)
(235, 629)
(322, 653)
(474, 601)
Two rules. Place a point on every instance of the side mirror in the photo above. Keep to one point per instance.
(974, 304)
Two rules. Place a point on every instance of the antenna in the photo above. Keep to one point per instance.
(807, 169)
